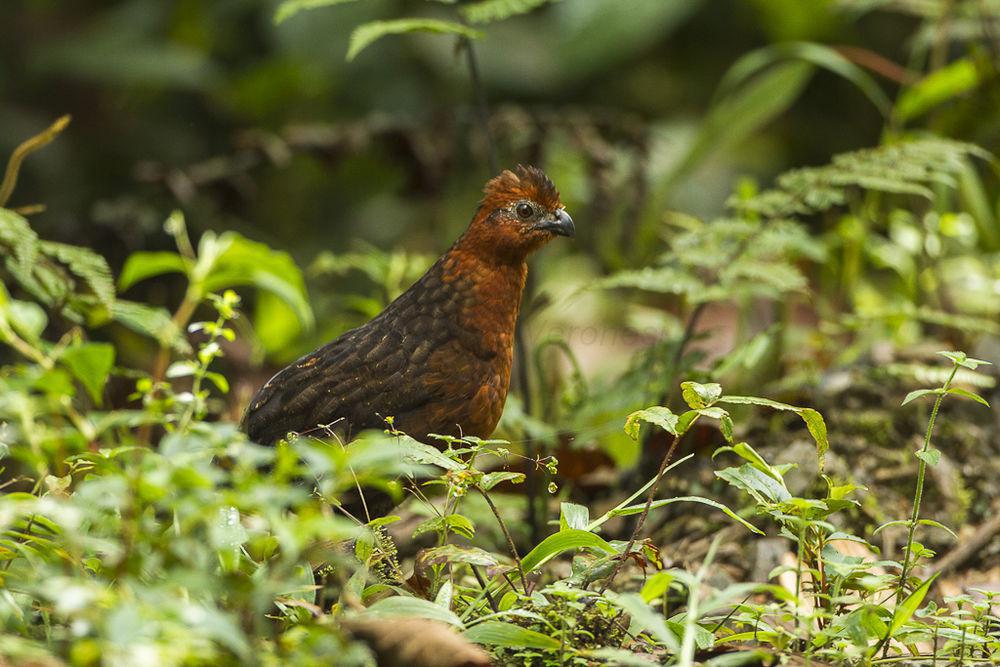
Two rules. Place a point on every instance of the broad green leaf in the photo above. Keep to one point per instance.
(573, 516)
(914, 395)
(367, 33)
(905, 610)
(656, 415)
(232, 260)
(142, 265)
(290, 8)
(656, 586)
(488, 11)
(420, 452)
(939, 86)
(564, 540)
(501, 633)
(637, 509)
(750, 455)
(764, 488)
(90, 363)
(410, 607)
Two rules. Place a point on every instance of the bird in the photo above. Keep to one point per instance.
(437, 359)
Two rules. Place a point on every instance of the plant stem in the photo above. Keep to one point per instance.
(645, 512)
(510, 539)
(917, 498)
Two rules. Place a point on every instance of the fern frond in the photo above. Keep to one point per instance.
(86, 265)
(909, 168)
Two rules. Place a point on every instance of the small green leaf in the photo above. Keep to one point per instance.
(90, 363)
(491, 479)
(699, 396)
(968, 394)
(931, 456)
(500, 633)
(937, 524)
(657, 415)
(367, 33)
(573, 516)
(914, 395)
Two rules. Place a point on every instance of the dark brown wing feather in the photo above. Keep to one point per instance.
(385, 368)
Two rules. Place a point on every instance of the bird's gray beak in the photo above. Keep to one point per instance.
(560, 223)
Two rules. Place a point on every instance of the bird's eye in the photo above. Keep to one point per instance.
(524, 211)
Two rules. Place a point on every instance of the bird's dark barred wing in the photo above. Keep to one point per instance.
(388, 367)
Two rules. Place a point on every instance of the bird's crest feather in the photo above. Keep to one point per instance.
(522, 183)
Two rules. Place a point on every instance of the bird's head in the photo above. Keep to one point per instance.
(520, 212)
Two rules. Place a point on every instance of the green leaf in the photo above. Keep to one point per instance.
(905, 610)
(420, 452)
(500, 633)
(142, 265)
(937, 524)
(939, 86)
(657, 415)
(931, 457)
(86, 264)
(914, 395)
(816, 54)
(968, 394)
(962, 359)
(451, 553)
(573, 516)
(90, 363)
(410, 607)
(491, 479)
(290, 8)
(699, 396)
(564, 540)
(367, 33)
(240, 261)
(637, 509)
(762, 487)
(488, 11)
(27, 318)
(813, 419)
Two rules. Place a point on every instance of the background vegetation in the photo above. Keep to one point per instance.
(775, 200)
